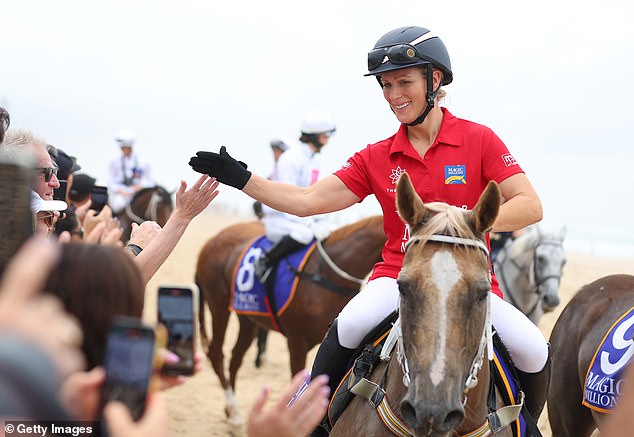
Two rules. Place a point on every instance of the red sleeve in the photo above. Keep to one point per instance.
(498, 163)
(354, 174)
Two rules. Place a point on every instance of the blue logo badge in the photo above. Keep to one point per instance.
(455, 174)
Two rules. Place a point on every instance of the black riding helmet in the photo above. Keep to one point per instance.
(407, 47)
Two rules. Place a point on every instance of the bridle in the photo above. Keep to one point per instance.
(531, 273)
(151, 211)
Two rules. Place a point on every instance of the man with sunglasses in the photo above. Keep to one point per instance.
(25, 145)
(448, 159)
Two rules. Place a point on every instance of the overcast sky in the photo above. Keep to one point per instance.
(552, 78)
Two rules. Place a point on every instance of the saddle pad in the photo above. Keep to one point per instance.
(248, 295)
(604, 379)
(508, 388)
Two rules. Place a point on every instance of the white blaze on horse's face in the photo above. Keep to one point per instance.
(445, 275)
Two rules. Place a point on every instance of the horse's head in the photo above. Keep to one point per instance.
(444, 286)
(548, 265)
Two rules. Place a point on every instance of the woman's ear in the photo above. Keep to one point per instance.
(437, 75)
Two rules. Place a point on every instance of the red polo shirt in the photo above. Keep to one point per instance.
(464, 157)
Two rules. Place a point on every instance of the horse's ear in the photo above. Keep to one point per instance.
(487, 208)
(562, 233)
(408, 202)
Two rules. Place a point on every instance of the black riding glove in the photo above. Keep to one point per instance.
(222, 167)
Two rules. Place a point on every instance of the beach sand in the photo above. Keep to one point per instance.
(197, 407)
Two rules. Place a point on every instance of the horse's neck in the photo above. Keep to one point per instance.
(359, 251)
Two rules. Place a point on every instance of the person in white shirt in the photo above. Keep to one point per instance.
(298, 165)
(127, 173)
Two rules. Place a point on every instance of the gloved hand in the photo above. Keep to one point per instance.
(222, 166)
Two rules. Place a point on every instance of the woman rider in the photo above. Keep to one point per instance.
(448, 159)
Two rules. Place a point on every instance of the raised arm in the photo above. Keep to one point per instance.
(327, 195)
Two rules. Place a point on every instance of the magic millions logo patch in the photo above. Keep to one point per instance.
(455, 174)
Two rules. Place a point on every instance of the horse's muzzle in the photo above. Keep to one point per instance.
(430, 419)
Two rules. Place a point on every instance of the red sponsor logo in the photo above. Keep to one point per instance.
(508, 160)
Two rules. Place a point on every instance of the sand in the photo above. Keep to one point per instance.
(197, 407)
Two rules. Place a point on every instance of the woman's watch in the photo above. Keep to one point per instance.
(134, 248)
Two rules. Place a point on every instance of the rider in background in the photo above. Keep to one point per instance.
(448, 159)
(127, 174)
(278, 146)
(298, 165)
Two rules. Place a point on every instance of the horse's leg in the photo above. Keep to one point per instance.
(263, 333)
(219, 322)
(298, 349)
(245, 338)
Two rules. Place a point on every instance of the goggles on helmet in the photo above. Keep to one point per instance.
(401, 54)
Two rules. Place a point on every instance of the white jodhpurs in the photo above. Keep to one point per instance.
(380, 297)
(523, 339)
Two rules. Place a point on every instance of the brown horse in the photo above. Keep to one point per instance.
(576, 335)
(353, 248)
(436, 384)
(152, 203)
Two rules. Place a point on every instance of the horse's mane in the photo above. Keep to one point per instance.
(447, 220)
(345, 231)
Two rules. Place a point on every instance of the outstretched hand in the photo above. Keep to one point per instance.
(222, 166)
(298, 419)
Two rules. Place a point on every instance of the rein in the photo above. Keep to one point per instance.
(534, 280)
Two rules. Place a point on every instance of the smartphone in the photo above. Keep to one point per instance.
(60, 193)
(128, 362)
(99, 197)
(176, 312)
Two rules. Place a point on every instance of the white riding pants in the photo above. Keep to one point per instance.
(524, 341)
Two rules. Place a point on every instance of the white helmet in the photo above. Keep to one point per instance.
(281, 143)
(318, 122)
(126, 137)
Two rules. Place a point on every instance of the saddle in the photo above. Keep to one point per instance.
(376, 346)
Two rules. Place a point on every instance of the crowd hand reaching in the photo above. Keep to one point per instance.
(142, 234)
(82, 210)
(154, 422)
(298, 419)
(222, 166)
(39, 318)
(192, 202)
(102, 228)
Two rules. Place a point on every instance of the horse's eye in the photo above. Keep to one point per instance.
(541, 259)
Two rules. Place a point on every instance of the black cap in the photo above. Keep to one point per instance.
(82, 185)
(65, 163)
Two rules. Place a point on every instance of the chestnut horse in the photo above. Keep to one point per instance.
(436, 384)
(152, 203)
(353, 248)
(578, 332)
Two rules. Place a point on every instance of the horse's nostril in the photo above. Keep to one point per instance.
(453, 419)
(409, 413)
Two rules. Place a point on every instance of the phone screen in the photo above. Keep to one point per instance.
(128, 362)
(99, 197)
(60, 193)
(176, 312)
